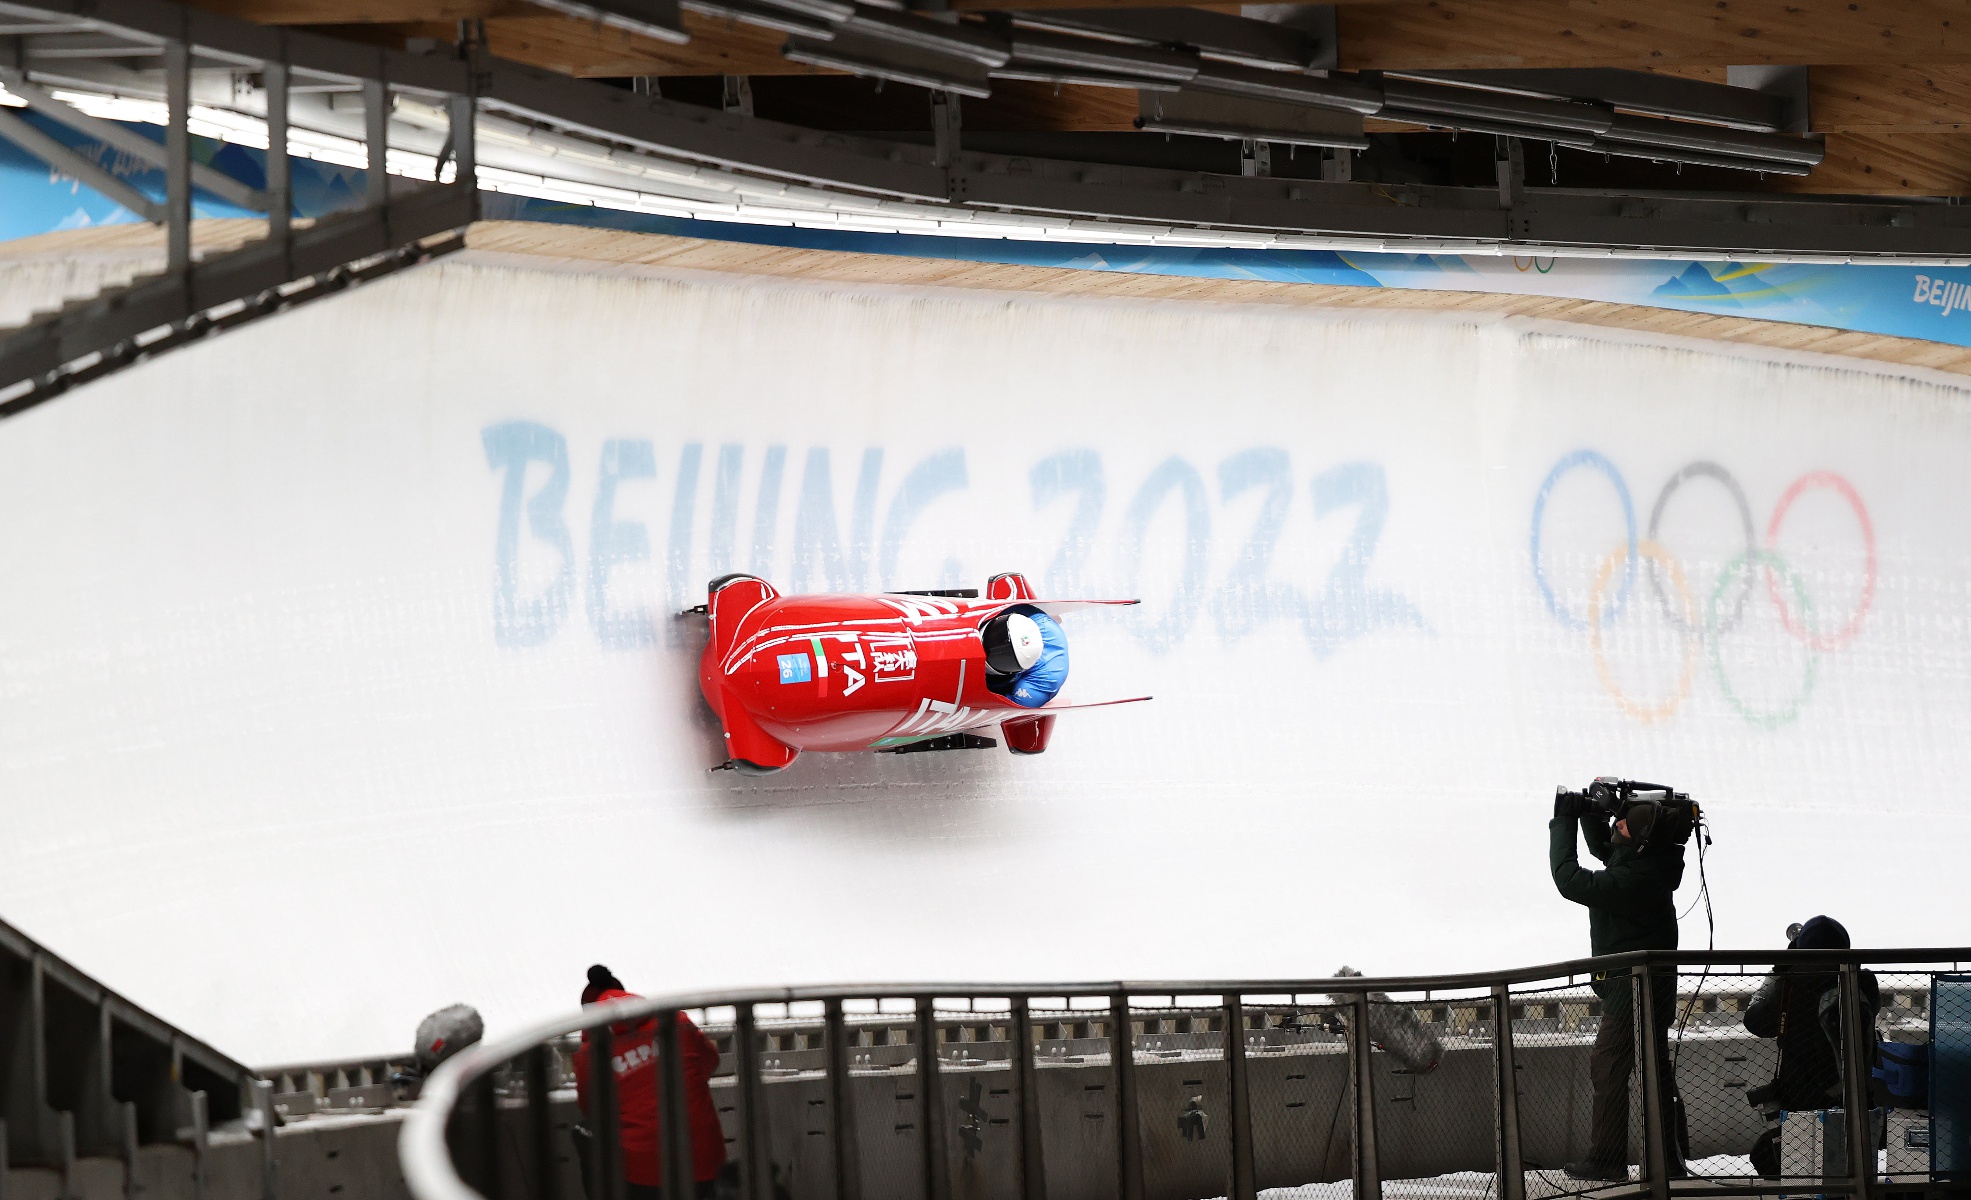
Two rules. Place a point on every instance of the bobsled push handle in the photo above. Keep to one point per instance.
(1010, 586)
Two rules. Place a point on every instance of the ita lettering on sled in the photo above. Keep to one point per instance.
(897, 672)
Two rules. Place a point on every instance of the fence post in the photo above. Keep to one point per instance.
(280, 185)
(848, 1177)
(752, 1107)
(1129, 1133)
(540, 1121)
(127, 1112)
(486, 1137)
(1857, 1059)
(1026, 1101)
(930, 1100)
(1656, 1135)
(1511, 1165)
(72, 1186)
(178, 160)
(376, 139)
(673, 1121)
(606, 1160)
(263, 1099)
(201, 1127)
(1368, 1176)
(1243, 1187)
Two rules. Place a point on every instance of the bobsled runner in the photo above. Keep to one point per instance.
(900, 672)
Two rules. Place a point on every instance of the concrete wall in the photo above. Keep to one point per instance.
(1426, 1125)
(339, 1157)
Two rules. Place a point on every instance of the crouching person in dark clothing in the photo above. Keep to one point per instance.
(1800, 1008)
(1631, 906)
(633, 1057)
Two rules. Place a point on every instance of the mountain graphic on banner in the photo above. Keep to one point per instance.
(1718, 285)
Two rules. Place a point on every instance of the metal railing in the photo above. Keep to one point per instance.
(85, 1074)
(1168, 1090)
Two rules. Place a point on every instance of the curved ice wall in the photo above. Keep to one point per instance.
(337, 680)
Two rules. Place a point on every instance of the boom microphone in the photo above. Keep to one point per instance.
(1396, 1029)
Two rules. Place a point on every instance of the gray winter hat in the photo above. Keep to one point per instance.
(445, 1033)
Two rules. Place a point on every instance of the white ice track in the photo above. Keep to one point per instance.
(267, 767)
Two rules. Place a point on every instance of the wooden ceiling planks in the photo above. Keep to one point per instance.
(1935, 97)
(1042, 107)
(1888, 162)
(718, 47)
(1477, 34)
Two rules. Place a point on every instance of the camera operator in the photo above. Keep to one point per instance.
(1631, 906)
(1799, 1007)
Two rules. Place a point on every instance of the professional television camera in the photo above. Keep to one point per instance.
(1674, 817)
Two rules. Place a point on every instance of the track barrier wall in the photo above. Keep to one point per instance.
(347, 638)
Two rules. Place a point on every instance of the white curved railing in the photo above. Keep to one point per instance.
(460, 1112)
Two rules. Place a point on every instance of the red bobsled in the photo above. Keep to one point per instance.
(898, 671)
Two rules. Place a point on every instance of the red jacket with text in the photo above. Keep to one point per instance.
(634, 1054)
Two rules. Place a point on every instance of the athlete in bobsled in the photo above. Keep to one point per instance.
(1026, 656)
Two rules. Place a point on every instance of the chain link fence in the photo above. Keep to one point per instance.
(1715, 1062)
(1297, 1073)
(1551, 1023)
(1433, 1078)
(1184, 1096)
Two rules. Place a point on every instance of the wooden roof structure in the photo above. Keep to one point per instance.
(1889, 81)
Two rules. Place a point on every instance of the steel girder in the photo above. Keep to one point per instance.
(191, 298)
(1535, 220)
(126, 325)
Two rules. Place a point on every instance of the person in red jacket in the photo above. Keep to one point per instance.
(633, 1051)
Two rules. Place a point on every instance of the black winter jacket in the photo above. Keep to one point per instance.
(1800, 1009)
(1631, 905)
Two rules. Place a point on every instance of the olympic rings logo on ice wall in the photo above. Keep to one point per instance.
(1704, 622)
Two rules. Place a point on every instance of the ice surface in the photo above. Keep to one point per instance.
(336, 681)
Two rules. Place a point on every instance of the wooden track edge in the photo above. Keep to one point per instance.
(582, 244)
(526, 240)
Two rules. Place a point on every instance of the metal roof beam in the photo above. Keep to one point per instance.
(68, 162)
(135, 144)
(766, 16)
(898, 63)
(1218, 35)
(1040, 48)
(657, 19)
(1635, 91)
(127, 324)
(721, 139)
(971, 43)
